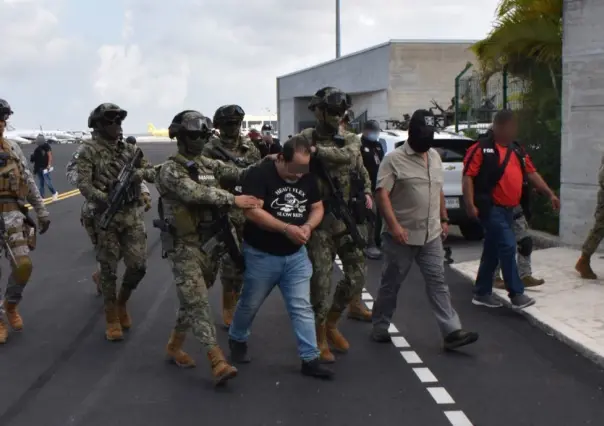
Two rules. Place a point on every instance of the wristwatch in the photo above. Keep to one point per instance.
(444, 220)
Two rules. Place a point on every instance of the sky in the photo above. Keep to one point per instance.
(59, 59)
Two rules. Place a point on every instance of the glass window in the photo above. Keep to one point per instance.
(256, 124)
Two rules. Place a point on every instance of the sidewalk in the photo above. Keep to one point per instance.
(567, 307)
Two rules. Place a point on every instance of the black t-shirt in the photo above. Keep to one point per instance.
(40, 157)
(287, 202)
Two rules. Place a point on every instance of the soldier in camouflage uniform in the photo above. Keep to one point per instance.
(87, 211)
(596, 234)
(525, 248)
(341, 154)
(188, 186)
(98, 166)
(228, 119)
(16, 185)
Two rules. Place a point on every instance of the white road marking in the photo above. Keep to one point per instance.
(425, 375)
(439, 393)
(400, 342)
(411, 357)
(458, 418)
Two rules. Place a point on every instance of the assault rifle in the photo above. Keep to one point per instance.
(223, 232)
(340, 208)
(225, 155)
(120, 191)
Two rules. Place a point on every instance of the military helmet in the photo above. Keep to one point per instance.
(107, 111)
(5, 110)
(191, 121)
(228, 113)
(131, 140)
(330, 97)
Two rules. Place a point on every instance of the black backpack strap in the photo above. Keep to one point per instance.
(503, 165)
(470, 158)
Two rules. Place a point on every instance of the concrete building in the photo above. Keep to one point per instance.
(582, 113)
(386, 81)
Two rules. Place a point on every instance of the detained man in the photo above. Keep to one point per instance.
(411, 199)
(273, 247)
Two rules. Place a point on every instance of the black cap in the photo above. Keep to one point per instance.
(372, 125)
(421, 124)
(266, 127)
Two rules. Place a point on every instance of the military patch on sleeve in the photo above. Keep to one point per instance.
(429, 119)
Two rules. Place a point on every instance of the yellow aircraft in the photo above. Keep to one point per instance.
(157, 132)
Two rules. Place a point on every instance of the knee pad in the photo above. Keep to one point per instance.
(525, 246)
(22, 269)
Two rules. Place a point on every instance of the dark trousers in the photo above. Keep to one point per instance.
(499, 246)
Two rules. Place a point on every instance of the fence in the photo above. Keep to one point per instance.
(475, 102)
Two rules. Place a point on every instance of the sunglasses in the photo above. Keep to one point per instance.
(114, 117)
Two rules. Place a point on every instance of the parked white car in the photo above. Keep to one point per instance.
(452, 148)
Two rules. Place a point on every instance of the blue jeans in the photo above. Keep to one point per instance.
(42, 178)
(292, 274)
(499, 246)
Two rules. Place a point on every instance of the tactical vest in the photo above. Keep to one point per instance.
(13, 185)
(187, 219)
(340, 172)
(491, 171)
(111, 161)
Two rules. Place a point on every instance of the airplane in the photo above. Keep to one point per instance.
(31, 135)
(157, 132)
(12, 136)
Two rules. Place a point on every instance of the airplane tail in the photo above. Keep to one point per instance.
(150, 128)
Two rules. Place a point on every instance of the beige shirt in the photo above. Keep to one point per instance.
(414, 188)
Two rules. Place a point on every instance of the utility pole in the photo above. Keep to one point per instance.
(337, 29)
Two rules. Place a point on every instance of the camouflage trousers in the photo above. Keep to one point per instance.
(231, 280)
(596, 234)
(87, 221)
(322, 249)
(125, 238)
(17, 232)
(521, 231)
(192, 270)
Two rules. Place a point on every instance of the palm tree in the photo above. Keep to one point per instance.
(527, 36)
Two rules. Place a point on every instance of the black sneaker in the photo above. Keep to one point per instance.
(239, 352)
(314, 368)
(460, 338)
(487, 300)
(381, 335)
(521, 301)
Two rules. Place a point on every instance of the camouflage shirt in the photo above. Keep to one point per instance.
(244, 150)
(33, 197)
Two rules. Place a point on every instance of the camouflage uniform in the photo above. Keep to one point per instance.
(189, 189)
(341, 159)
(16, 185)
(98, 165)
(596, 234)
(246, 153)
(87, 211)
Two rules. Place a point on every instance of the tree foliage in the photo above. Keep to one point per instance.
(527, 42)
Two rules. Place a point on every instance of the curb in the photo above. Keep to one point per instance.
(586, 346)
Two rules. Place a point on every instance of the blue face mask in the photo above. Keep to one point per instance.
(373, 136)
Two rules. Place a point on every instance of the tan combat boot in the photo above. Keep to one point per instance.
(13, 317)
(96, 277)
(583, 267)
(229, 302)
(3, 332)
(358, 311)
(175, 352)
(221, 369)
(122, 311)
(337, 341)
(326, 355)
(113, 330)
(530, 281)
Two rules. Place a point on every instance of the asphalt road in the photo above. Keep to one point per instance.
(60, 371)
